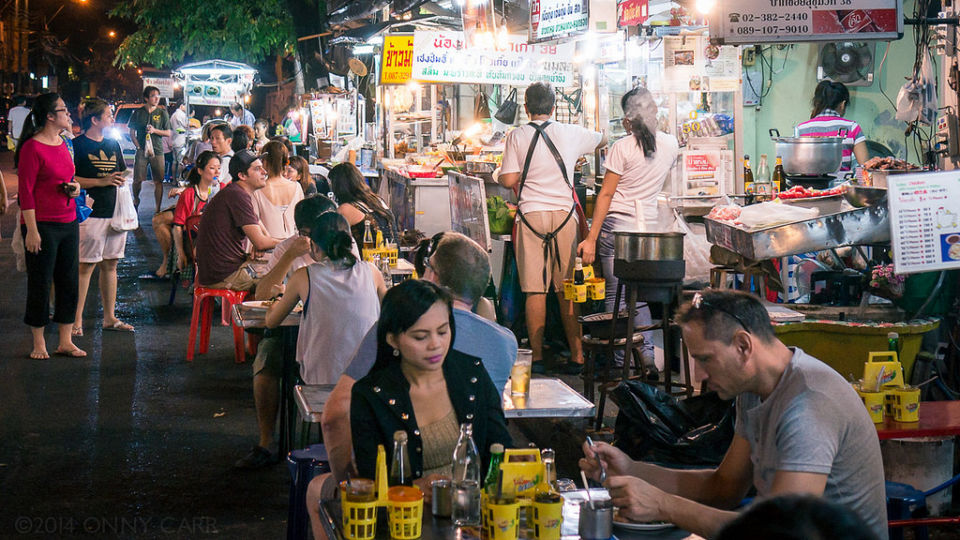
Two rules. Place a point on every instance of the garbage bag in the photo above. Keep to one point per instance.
(655, 426)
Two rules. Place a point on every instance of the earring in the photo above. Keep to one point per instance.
(396, 352)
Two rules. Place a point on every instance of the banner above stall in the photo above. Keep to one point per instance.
(632, 12)
(553, 19)
(755, 21)
(443, 57)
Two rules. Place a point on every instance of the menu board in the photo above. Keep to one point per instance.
(924, 221)
(755, 21)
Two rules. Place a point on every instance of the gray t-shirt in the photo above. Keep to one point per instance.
(814, 422)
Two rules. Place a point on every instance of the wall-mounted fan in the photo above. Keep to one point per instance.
(848, 62)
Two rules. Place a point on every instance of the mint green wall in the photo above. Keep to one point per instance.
(788, 102)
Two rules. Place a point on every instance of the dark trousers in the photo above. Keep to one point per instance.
(58, 262)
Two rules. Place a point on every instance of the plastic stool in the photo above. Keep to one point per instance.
(304, 465)
(203, 299)
(905, 502)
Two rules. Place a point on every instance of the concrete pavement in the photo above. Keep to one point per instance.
(129, 442)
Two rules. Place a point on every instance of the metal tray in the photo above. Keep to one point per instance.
(855, 227)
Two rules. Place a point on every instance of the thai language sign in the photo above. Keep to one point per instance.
(924, 221)
(396, 59)
(551, 19)
(754, 21)
(444, 57)
(632, 13)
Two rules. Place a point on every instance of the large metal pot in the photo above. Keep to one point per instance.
(809, 156)
(643, 246)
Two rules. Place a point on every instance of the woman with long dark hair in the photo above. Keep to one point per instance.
(100, 168)
(637, 166)
(298, 170)
(203, 185)
(49, 223)
(420, 385)
(341, 301)
(830, 100)
(360, 205)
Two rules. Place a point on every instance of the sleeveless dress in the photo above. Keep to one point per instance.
(340, 309)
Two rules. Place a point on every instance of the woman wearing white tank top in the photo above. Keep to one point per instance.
(341, 301)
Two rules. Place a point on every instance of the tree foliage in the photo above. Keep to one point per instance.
(173, 30)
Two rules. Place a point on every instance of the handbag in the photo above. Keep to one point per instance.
(124, 214)
(83, 211)
(507, 113)
(481, 107)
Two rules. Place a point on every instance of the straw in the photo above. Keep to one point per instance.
(879, 378)
(928, 381)
(586, 486)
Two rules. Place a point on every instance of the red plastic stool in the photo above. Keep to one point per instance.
(203, 299)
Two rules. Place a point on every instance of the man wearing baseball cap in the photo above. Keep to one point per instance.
(227, 220)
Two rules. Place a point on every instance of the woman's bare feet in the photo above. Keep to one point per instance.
(39, 354)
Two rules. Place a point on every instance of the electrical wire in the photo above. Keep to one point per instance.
(880, 75)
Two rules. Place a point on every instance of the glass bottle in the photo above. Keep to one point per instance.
(747, 175)
(466, 480)
(761, 184)
(578, 272)
(400, 474)
(493, 472)
(368, 242)
(778, 177)
(893, 342)
(549, 458)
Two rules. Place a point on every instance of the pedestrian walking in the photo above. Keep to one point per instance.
(152, 120)
(100, 167)
(179, 125)
(49, 223)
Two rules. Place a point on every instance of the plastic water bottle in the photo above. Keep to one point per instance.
(466, 480)
(214, 187)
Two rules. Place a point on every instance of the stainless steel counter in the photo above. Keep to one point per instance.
(861, 226)
(548, 398)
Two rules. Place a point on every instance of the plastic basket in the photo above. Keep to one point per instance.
(405, 511)
(359, 519)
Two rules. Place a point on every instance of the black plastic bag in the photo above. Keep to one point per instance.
(654, 426)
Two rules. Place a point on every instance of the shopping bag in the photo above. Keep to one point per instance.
(124, 213)
(148, 146)
(83, 210)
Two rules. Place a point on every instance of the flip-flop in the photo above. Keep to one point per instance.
(118, 326)
(77, 352)
(39, 356)
(77, 331)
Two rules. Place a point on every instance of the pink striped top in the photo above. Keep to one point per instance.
(829, 124)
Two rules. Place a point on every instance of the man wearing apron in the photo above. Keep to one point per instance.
(539, 160)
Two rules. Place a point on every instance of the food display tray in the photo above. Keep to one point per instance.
(860, 226)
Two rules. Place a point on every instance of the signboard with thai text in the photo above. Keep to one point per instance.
(396, 60)
(755, 21)
(552, 19)
(924, 221)
(443, 57)
(632, 12)
(164, 84)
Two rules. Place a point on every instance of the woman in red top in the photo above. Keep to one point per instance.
(49, 223)
(203, 185)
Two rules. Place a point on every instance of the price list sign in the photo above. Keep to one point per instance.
(925, 221)
(756, 21)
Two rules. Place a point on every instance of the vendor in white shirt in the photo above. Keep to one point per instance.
(637, 167)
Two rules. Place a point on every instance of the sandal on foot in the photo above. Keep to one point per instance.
(76, 352)
(118, 326)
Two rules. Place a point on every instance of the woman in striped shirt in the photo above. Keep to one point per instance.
(829, 103)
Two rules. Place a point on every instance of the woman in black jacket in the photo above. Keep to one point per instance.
(422, 386)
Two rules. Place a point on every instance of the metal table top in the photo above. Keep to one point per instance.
(246, 316)
(548, 398)
(310, 400)
(442, 528)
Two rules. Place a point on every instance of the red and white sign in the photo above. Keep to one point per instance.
(632, 13)
(164, 84)
(756, 21)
